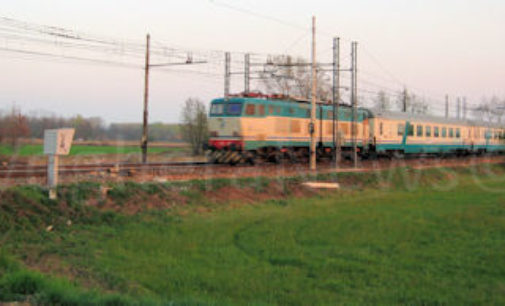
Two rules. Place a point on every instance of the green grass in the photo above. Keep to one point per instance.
(29, 150)
(421, 243)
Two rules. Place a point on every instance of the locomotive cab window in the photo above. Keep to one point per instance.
(234, 109)
(216, 109)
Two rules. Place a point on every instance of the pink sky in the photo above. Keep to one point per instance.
(434, 47)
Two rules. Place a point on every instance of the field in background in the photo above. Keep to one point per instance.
(90, 149)
(434, 238)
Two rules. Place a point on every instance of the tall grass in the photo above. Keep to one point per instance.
(410, 241)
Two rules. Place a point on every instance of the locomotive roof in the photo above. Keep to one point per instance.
(430, 118)
(284, 101)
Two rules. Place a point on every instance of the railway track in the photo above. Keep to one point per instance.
(24, 171)
(195, 170)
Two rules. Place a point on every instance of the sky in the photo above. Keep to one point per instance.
(433, 47)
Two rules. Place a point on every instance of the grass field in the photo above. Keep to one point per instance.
(438, 242)
(35, 149)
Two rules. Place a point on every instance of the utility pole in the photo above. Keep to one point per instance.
(446, 106)
(145, 131)
(148, 65)
(227, 75)
(336, 98)
(458, 108)
(404, 100)
(313, 99)
(354, 101)
(464, 108)
(247, 73)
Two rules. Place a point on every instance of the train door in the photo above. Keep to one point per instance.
(320, 117)
(487, 135)
(366, 132)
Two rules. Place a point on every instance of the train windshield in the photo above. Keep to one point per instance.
(217, 109)
(234, 109)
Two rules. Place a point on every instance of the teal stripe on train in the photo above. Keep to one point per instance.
(436, 148)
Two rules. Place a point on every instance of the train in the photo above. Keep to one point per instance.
(246, 129)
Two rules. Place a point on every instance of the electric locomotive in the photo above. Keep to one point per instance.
(246, 129)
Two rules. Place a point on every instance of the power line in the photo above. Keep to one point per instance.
(98, 61)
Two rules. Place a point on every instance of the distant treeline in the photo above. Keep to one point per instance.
(14, 125)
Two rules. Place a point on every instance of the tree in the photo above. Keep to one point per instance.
(13, 127)
(382, 102)
(490, 110)
(292, 77)
(194, 124)
(415, 105)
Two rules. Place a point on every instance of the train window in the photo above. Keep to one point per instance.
(234, 109)
(410, 129)
(435, 131)
(330, 114)
(291, 110)
(428, 131)
(308, 113)
(458, 133)
(419, 131)
(444, 132)
(270, 109)
(451, 132)
(278, 109)
(250, 109)
(381, 128)
(261, 110)
(216, 109)
(401, 129)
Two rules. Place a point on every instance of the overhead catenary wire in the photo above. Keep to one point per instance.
(16, 35)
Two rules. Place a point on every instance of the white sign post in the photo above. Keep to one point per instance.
(56, 142)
